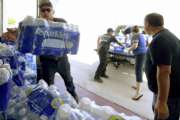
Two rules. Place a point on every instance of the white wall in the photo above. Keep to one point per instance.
(18, 10)
(1, 27)
(95, 16)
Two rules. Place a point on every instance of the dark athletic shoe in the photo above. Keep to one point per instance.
(75, 96)
(105, 76)
(98, 79)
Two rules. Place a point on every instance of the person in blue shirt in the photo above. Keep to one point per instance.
(139, 47)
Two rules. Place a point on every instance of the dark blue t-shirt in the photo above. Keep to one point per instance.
(164, 50)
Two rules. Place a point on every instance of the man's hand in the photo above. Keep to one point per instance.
(161, 110)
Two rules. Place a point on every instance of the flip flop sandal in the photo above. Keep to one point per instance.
(137, 97)
(134, 87)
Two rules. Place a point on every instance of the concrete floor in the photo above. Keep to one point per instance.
(117, 88)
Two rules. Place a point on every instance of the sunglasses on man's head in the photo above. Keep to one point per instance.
(46, 9)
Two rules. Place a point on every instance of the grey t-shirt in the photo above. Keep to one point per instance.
(105, 41)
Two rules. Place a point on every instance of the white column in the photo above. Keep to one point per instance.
(1, 16)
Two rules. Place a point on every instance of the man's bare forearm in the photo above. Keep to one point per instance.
(134, 46)
(163, 82)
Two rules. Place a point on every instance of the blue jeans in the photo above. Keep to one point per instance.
(174, 108)
(139, 62)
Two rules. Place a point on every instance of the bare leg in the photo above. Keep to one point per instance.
(138, 93)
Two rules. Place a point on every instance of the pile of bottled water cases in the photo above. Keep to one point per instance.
(22, 98)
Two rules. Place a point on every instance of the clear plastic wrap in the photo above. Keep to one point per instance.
(42, 37)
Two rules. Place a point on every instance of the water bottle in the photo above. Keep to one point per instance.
(41, 22)
(26, 35)
(77, 114)
(5, 76)
(28, 20)
(67, 98)
(100, 112)
(33, 116)
(41, 101)
(30, 74)
(5, 51)
(63, 96)
(54, 91)
(20, 111)
(57, 101)
(73, 42)
(63, 112)
(74, 115)
(84, 104)
(88, 116)
(3, 115)
(1, 62)
(43, 84)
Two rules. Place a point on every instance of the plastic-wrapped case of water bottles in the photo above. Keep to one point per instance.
(42, 37)
(40, 102)
(6, 51)
(43, 102)
(36, 102)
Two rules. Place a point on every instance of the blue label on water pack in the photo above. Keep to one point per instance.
(118, 49)
(19, 78)
(31, 62)
(8, 42)
(21, 63)
(26, 37)
(41, 40)
(4, 96)
(18, 68)
(73, 42)
(39, 102)
(30, 68)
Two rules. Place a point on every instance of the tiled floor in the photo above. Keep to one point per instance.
(82, 92)
(116, 89)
